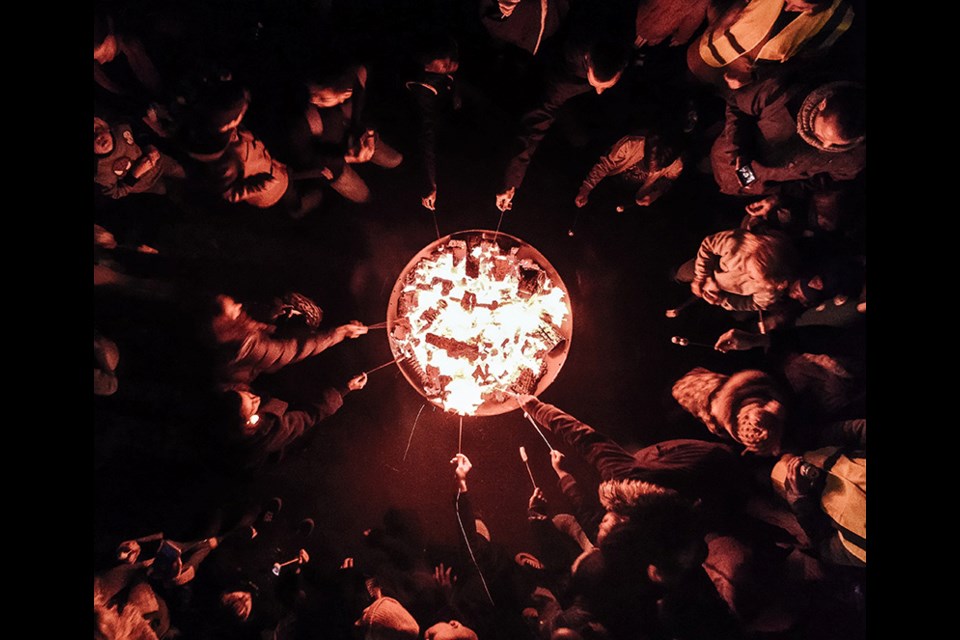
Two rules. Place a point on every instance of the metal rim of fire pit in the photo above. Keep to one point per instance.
(554, 359)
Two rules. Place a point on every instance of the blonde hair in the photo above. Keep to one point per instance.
(620, 495)
(773, 253)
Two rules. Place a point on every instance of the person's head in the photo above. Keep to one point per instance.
(227, 307)
(806, 6)
(332, 84)
(607, 523)
(228, 321)
(760, 426)
(222, 105)
(105, 44)
(620, 495)
(452, 630)
(605, 64)
(834, 116)
(772, 258)
(386, 619)
(237, 604)
(661, 150)
(438, 53)
(661, 542)
(102, 137)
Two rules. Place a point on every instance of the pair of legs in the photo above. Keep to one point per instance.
(351, 186)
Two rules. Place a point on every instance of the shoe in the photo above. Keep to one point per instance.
(525, 559)
(482, 530)
(306, 526)
(270, 510)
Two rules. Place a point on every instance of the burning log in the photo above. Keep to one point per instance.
(475, 320)
(532, 279)
(455, 348)
(459, 248)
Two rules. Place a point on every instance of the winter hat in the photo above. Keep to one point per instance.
(294, 304)
(386, 619)
(759, 428)
(745, 407)
(810, 107)
(693, 392)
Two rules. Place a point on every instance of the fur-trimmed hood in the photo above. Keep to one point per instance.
(719, 401)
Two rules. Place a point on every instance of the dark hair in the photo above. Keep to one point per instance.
(848, 105)
(334, 70)
(661, 526)
(436, 46)
(661, 149)
(607, 59)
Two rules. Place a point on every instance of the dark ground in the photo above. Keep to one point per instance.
(353, 467)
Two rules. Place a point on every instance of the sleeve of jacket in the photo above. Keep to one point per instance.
(586, 514)
(615, 159)
(426, 103)
(607, 457)
(536, 123)
(115, 187)
(734, 302)
(708, 256)
(466, 520)
(275, 432)
(269, 354)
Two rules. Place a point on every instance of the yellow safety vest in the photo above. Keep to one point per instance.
(844, 497)
(720, 47)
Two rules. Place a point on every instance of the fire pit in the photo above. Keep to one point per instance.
(475, 315)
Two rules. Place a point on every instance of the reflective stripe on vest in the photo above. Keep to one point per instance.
(844, 497)
(817, 31)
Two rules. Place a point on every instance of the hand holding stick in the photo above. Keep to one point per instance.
(302, 558)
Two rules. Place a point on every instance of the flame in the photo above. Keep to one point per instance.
(473, 320)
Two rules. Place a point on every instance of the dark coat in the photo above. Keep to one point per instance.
(761, 126)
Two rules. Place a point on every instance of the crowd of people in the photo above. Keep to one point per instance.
(754, 529)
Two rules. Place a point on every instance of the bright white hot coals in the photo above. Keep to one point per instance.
(475, 315)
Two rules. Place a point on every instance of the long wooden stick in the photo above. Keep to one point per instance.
(537, 427)
(378, 367)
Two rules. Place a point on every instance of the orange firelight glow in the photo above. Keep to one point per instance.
(476, 320)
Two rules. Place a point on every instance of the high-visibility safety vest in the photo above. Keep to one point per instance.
(818, 31)
(844, 497)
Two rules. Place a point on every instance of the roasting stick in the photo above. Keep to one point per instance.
(673, 313)
(523, 456)
(435, 225)
(381, 366)
(379, 325)
(537, 427)
(683, 342)
(499, 222)
(410, 439)
(576, 218)
(460, 437)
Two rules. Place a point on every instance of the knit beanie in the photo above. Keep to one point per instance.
(759, 428)
(386, 619)
(693, 392)
(809, 108)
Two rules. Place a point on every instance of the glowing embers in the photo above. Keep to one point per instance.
(471, 318)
